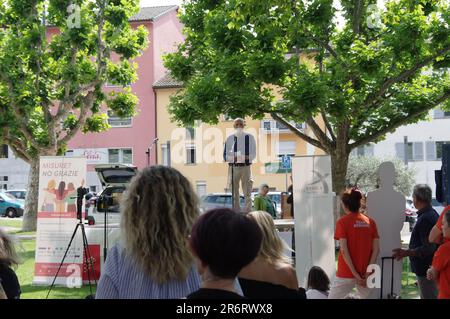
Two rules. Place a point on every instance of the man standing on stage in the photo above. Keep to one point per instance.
(239, 152)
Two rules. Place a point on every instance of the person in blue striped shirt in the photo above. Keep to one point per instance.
(153, 260)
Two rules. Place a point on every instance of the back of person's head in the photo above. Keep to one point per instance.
(159, 209)
(225, 241)
(318, 279)
(8, 254)
(423, 194)
(272, 247)
(352, 200)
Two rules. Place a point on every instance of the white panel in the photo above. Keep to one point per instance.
(314, 219)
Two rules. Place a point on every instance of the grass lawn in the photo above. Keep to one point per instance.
(25, 271)
(11, 222)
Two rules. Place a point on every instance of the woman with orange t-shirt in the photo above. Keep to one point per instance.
(359, 247)
(436, 235)
(440, 268)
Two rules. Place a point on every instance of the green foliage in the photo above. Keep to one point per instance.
(96, 123)
(55, 72)
(123, 103)
(367, 79)
(363, 172)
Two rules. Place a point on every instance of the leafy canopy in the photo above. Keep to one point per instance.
(365, 73)
(55, 56)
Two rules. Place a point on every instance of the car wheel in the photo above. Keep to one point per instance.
(11, 212)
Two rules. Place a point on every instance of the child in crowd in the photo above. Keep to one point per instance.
(8, 261)
(223, 242)
(440, 268)
(318, 284)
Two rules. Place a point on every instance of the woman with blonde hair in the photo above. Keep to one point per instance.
(154, 260)
(8, 261)
(271, 274)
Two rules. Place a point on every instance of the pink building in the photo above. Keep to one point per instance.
(128, 140)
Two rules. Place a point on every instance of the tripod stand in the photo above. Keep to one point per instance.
(87, 255)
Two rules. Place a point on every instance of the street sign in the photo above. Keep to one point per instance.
(286, 162)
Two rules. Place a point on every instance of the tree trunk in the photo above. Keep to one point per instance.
(339, 164)
(31, 202)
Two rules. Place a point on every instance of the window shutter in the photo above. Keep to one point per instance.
(438, 114)
(418, 151)
(400, 150)
(430, 148)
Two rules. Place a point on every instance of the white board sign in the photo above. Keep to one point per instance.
(59, 177)
(314, 219)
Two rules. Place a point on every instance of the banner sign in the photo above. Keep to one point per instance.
(314, 218)
(276, 168)
(59, 178)
(93, 155)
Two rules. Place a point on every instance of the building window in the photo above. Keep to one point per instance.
(93, 189)
(201, 188)
(5, 180)
(190, 155)
(365, 150)
(271, 125)
(68, 153)
(227, 117)
(115, 121)
(190, 133)
(165, 148)
(414, 151)
(120, 156)
(440, 114)
(286, 148)
(4, 151)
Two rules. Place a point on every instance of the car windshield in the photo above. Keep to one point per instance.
(7, 196)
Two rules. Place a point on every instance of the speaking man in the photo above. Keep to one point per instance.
(239, 152)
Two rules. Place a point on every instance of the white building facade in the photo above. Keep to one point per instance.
(13, 171)
(423, 148)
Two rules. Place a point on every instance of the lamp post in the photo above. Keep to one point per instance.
(149, 150)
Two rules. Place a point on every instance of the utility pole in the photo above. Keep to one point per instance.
(405, 149)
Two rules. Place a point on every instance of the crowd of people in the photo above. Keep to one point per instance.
(169, 251)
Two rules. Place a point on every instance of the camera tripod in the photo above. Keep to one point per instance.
(87, 258)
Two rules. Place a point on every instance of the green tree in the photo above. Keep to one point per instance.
(362, 172)
(51, 82)
(368, 72)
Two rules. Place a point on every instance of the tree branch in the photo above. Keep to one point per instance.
(320, 134)
(18, 147)
(357, 14)
(85, 105)
(299, 133)
(328, 125)
(395, 124)
(402, 76)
